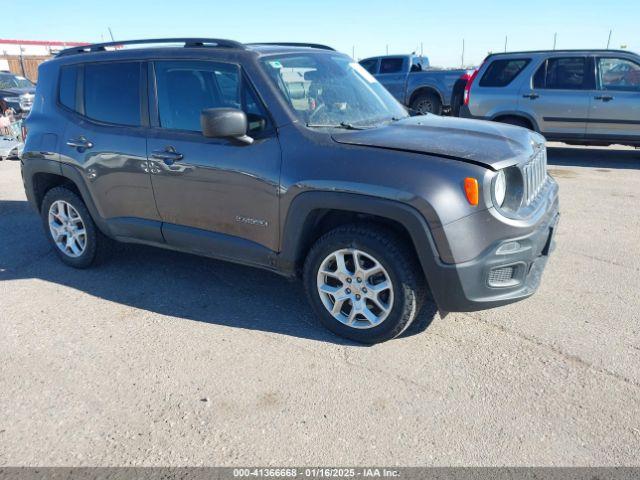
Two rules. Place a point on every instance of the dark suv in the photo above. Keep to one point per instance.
(16, 92)
(291, 158)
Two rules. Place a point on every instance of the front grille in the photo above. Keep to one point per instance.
(26, 101)
(534, 175)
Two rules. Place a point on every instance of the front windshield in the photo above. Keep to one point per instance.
(332, 90)
(14, 81)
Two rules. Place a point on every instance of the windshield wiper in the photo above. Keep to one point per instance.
(345, 125)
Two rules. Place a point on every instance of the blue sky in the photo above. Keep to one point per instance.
(369, 26)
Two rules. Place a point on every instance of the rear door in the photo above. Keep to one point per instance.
(615, 104)
(558, 96)
(393, 75)
(105, 139)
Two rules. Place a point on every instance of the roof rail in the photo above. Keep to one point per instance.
(188, 42)
(294, 44)
(564, 50)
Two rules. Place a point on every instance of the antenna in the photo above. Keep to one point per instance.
(506, 40)
(609, 40)
(555, 38)
(111, 33)
(462, 59)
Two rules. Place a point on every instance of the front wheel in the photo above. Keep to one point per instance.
(363, 283)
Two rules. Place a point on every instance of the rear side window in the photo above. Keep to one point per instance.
(370, 65)
(391, 65)
(67, 86)
(112, 92)
(502, 72)
(567, 73)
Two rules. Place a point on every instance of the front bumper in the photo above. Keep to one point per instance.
(508, 271)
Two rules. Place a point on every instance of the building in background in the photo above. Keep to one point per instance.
(22, 57)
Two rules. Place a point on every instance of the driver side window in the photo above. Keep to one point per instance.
(618, 74)
(185, 88)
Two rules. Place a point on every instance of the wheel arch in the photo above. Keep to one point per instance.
(40, 176)
(519, 115)
(426, 89)
(312, 214)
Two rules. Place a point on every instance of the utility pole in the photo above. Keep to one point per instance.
(22, 61)
(609, 40)
(505, 43)
(111, 33)
(353, 52)
(555, 39)
(462, 59)
(387, 49)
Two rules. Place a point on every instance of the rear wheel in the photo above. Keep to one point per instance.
(427, 102)
(363, 284)
(71, 230)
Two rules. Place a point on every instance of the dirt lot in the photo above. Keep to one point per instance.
(159, 358)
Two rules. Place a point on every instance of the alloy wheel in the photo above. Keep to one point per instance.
(67, 229)
(355, 288)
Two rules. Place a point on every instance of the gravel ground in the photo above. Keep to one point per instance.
(160, 358)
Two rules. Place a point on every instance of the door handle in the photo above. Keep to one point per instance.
(604, 98)
(531, 96)
(80, 143)
(169, 155)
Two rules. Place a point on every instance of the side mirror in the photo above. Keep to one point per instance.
(225, 123)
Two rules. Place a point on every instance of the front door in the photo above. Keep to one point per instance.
(615, 105)
(214, 195)
(558, 96)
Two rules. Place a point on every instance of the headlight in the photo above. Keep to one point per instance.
(507, 189)
(11, 99)
(500, 188)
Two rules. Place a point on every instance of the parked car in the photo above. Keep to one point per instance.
(10, 148)
(16, 92)
(457, 95)
(337, 185)
(576, 96)
(413, 83)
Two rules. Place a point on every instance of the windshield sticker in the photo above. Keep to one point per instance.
(275, 64)
(363, 73)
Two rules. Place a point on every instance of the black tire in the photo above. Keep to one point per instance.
(97, 246)
(517, 121)
(427, 102)
(399, 261)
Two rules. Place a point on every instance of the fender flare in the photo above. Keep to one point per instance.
(296, 228)
(33, 166)
(517, 113)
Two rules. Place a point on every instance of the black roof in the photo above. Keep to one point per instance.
(188, 43)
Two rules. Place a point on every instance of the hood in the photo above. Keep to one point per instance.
(489, 144)
(17, 91)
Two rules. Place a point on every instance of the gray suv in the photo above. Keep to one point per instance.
(576, 96)
(291, 158)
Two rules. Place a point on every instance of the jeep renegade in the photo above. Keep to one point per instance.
(292, 158)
